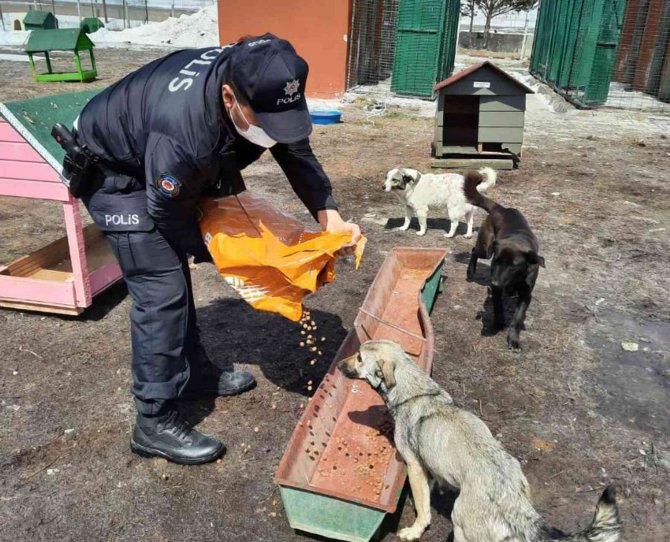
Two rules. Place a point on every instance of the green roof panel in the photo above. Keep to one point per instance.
(66, 39)
(36, 17)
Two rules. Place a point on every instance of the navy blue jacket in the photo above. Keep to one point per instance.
(166, 121)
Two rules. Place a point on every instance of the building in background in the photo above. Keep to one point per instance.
(404, 46)
(318, 30)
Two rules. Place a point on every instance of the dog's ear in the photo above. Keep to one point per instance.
(387, 368)
(534, 258)
(410, 179)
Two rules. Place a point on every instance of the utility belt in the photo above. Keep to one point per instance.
(115, 194)
(82, 169)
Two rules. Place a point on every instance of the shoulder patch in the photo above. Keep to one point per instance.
(168, 186)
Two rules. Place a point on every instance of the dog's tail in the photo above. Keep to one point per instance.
(477, 182)
(489, 177)
(606, 525)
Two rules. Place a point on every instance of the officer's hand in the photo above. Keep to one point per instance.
(332, 222)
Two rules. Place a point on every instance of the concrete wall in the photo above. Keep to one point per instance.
(317, 29)
(498, 42)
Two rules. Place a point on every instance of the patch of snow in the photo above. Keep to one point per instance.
(13, 38)
(199, 29)
(623, 98)
(17, 58)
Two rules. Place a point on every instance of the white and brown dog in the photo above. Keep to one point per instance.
(421, 193)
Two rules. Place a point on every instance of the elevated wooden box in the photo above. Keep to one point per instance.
(63, 276)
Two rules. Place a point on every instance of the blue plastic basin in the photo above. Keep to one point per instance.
(325, 117)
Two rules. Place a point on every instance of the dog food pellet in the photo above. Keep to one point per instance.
(320, 353)
(309, 388)
(313, 362)
(302, 332)
(256, 429)
(302, 343)
(309, 381)
(323, 339)
(313, 349)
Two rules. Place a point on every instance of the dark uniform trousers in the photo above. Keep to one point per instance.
(164, 333)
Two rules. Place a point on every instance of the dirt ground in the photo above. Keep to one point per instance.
(575, 408)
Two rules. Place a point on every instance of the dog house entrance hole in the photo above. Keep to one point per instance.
(461, 120)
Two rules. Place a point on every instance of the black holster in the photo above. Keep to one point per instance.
(78, 163)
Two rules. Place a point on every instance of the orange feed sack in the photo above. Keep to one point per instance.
(266, 255)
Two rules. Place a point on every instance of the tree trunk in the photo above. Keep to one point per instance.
(472, 19)
(487, 29)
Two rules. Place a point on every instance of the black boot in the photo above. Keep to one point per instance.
(209, 380)
(171, 437)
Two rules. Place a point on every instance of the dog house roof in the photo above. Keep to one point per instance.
(66, 39)
(475, 68)
(37, 17)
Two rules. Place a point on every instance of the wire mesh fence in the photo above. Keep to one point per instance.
(116, 14)
(608, 53)
(401, 47)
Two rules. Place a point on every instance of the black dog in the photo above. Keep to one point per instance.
(506, 236)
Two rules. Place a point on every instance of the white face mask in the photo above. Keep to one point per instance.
(255, 134)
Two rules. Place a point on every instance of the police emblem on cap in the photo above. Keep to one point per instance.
(168, 186)
(291, 87)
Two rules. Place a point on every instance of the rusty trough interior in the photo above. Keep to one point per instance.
(343, 444)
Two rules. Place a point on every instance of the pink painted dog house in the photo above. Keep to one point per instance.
(63, 276)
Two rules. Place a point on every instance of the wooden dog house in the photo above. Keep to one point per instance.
(480, 116)
(63, 276)
(36, 19)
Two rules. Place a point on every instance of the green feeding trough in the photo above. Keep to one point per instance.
(70, 39)
(40, 20)
(325, 489)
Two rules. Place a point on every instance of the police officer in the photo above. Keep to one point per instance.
(179, 128)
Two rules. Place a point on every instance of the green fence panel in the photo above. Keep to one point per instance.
(575, 47)
(606, 49)
(425, 45)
